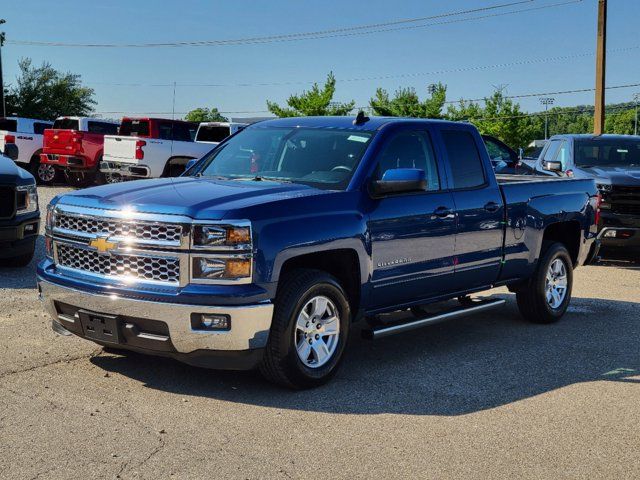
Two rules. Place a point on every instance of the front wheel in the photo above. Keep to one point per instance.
(545, 298)
(309, 330)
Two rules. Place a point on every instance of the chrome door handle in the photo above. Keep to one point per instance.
(492, 207)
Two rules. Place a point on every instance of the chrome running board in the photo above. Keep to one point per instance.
(381, 331)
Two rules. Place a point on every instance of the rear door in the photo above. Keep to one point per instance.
(412, 234)
(479, 210)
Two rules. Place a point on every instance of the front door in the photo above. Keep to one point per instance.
(412, 235)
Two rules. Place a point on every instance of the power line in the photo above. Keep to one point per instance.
(331, 33)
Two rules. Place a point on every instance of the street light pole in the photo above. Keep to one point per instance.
(636, 99)
(546, 101)
(2, 102)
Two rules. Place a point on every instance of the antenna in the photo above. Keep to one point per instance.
(361, 118)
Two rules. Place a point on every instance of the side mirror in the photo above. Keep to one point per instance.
(191, 163)
(11, 151)
(552, 166)
(400, 180)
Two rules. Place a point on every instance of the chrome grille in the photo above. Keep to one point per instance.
(144, 268)
(120, 228)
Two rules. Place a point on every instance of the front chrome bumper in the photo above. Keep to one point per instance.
(250, 324)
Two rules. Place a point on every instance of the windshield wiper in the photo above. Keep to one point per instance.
(261, 178)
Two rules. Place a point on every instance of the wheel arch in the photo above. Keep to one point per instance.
(568, 233)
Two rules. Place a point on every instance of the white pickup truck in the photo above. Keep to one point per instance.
(27, 134)
(214, 132)
(150, 148)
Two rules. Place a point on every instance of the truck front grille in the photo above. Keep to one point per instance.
(136, 267)
(163, 233)
(625, 200)
(7, 201)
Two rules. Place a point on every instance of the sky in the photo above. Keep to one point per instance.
(537, 51)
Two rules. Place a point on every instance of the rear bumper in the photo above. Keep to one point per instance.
(620, 237)
(165, 329)
(66, 161)
(125, 169)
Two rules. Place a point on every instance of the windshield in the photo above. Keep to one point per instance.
(608, 153)
(322, 157)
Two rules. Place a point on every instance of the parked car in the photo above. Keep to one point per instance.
(75, 145)
(19, 213)
(267, 250)
(504, 159)
(151, 148)
(613, 161)
(215, 132)
(27, 135)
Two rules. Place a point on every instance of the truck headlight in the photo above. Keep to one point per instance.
(220, 268)
(27, 198)
(235, 236)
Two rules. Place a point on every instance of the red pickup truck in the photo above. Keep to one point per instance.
(74, 145)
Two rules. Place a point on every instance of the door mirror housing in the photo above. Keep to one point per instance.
(552, 166)
(191, 163)
(400, 180)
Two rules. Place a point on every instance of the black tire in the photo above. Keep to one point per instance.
(80, 179)
(17, 262)
(281, 363)
(532, 297)
(44, 174)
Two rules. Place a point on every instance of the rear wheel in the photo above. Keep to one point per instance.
(309, 330)
(545, 298)
(45, 174)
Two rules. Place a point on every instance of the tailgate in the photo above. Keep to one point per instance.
(59, 140)
(117, 148)
(2, 134)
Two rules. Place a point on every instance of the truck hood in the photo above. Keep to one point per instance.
(11, 174)
(198, 198)
(629, 176)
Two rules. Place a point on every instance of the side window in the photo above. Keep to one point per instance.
(563, 155)
(39, 127)
(181, 132)
(164, 130)
(410, 149)
(552, 150)
(497, 151)
(466, 165)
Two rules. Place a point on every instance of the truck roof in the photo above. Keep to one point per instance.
(374, 123)
(72, 117)
(591, 136)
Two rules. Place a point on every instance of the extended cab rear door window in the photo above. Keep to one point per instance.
(8, 125)
(39, 127)
(467, 169)
(66, 124)
(410, 149)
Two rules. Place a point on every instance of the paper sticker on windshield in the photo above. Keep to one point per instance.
(620, 150)
(358, 138)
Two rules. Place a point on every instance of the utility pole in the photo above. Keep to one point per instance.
(636, 99)
(601, 57)
(546, 101)
(2, 102)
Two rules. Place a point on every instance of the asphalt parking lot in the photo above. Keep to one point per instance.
(488, 396)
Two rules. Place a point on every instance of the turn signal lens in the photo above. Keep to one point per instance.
(220, 268)
(238, 235)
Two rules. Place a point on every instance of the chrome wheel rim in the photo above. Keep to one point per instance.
(556, 283)
(317, 331)
(46, 173)
(112, 178)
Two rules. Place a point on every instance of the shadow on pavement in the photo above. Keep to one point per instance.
(454, 368)
(24, 277)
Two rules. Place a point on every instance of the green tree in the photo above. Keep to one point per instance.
(317, 101)
(205, 115)
(46, 93)
(406, 103)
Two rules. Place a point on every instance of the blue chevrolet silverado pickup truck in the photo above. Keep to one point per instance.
(265, 252)
(19, 213)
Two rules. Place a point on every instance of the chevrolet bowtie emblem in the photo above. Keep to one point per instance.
(102, 245)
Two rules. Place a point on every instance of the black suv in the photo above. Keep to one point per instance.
(19, 213)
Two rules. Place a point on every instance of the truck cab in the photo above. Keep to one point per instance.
(215, 132)
(270, 247)
(74, 145)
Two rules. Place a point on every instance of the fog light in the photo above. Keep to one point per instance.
(31, 228)
(610, 234)
(213, 321)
